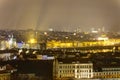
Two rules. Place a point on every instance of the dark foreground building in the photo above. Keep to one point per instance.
(42, 69)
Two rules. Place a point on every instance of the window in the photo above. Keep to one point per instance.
(90, 66)
(60, 67)
(73, 67)
(60, 71)
(90, 71)
(77, 71)
(69, 66)
(73, 71)
(89, 75)
(65, 66)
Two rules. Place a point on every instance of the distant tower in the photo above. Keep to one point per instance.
(11, 42)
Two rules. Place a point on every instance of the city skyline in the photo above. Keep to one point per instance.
(60, 15)
(59, 39)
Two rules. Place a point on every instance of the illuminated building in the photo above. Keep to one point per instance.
(107, 75)
(5, 76)
(75, 44)
(108, 72)
(5, 56)
(85, 69)
(3, 45)
(8, 44)
(74, 69)
(32, 44)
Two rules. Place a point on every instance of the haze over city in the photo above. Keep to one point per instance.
(60, 14)
(59, 39)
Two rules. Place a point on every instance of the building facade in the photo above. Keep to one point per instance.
(74, 70)
(108, 73)
(5, 76)
(80, 69)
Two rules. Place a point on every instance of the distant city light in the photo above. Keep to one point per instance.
(32, 41)
(45, 33)
(66, 37)
(10, 41)
(102, 38)
(94, 31)
(34, 52)
(27, 51)
(74, 34)
(15, 57)
(50, 29)
(20, 51)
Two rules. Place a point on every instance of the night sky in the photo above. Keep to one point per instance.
(60, 14)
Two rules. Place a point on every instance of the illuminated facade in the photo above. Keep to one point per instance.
(75, 70)
(5, 76)
(8, 44)
(80, 69)
(108, 73)
(71, 44)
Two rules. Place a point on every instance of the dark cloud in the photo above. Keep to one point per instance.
(59, 14)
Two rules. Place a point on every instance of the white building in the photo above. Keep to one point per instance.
(83, 69)
(76, 70)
